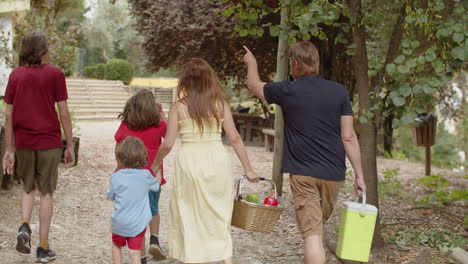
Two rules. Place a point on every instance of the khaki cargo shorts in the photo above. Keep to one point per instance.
(314, 200)
(38, 169)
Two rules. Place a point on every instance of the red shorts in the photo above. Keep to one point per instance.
(134, 243)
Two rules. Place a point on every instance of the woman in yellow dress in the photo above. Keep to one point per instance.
(202, 188)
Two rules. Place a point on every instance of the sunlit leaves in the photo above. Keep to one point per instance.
(459, 52)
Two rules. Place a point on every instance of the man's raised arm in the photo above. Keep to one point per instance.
(253, 79)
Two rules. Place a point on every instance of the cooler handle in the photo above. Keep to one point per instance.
(363, 211)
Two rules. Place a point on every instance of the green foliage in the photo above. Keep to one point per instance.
(118, 69)
(441, 239)
(390, 185)
(100, 71)
(63, 37)
(431, 49)
(439, 191)
(109, 33)
(97, 71)
(6, 53)
(444, 152)
(90, 72)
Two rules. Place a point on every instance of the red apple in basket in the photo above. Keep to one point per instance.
(270, 201)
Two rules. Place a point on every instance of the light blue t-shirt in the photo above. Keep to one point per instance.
(129, 190)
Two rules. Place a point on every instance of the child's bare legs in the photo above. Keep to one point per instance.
(135, 257)
(117, 254)
(154, 225)
(142, 251)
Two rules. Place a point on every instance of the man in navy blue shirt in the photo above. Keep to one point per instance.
(319, 133)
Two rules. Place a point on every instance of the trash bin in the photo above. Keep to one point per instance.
(356, 230)
(424, 131)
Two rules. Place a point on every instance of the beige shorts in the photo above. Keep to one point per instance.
(314, 200)
(38, 169)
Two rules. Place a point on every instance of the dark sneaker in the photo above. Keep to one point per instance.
(143, 260)
(23, 239)
(155, 249)
(44, 255)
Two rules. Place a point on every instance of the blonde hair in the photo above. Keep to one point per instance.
(306, 55)
(131, 153)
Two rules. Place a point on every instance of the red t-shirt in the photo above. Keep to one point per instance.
(33, 92)
(151, 137)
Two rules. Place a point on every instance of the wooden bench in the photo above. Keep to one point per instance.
(269, 138)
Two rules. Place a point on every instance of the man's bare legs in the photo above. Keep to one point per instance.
(27, 204)
(314, 253)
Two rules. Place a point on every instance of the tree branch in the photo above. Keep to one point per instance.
(393, 48)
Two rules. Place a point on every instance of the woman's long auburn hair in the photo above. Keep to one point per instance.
(200, 90)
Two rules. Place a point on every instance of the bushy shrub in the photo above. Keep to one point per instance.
(100, 71)
(119, 70)
(90, 71)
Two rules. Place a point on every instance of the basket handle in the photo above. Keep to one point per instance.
(362, 211)
(239, 186)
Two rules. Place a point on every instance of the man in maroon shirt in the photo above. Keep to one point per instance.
(31, 123)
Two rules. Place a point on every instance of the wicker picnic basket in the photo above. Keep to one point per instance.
(254, 217)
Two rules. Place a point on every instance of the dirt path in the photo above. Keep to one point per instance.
(81, 226)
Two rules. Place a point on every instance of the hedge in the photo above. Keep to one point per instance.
(113, 70)
(119, 70)
(100, 71)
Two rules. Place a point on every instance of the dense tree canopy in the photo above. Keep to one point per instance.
(401, 53)
(177, 30)
(60, 21)
(109, 34)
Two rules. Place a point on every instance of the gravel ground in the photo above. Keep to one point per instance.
(80, 231)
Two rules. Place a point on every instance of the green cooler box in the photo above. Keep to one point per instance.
(356, 230)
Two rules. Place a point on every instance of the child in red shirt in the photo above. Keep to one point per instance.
(141, 118)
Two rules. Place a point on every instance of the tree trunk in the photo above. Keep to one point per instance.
(388, 134)
(282, 70)
(368, 132)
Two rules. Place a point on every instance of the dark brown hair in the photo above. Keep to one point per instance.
(141, 111)
(306, 54)
(34, 46)
(131, 153)
(199, 88)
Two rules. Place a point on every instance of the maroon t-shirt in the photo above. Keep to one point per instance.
(33, 92)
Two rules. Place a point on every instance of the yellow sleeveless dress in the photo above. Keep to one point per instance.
(202, 197)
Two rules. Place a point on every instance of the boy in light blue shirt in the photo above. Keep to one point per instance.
(129, 187)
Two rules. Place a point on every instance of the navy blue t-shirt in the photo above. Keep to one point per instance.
(312, 109)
